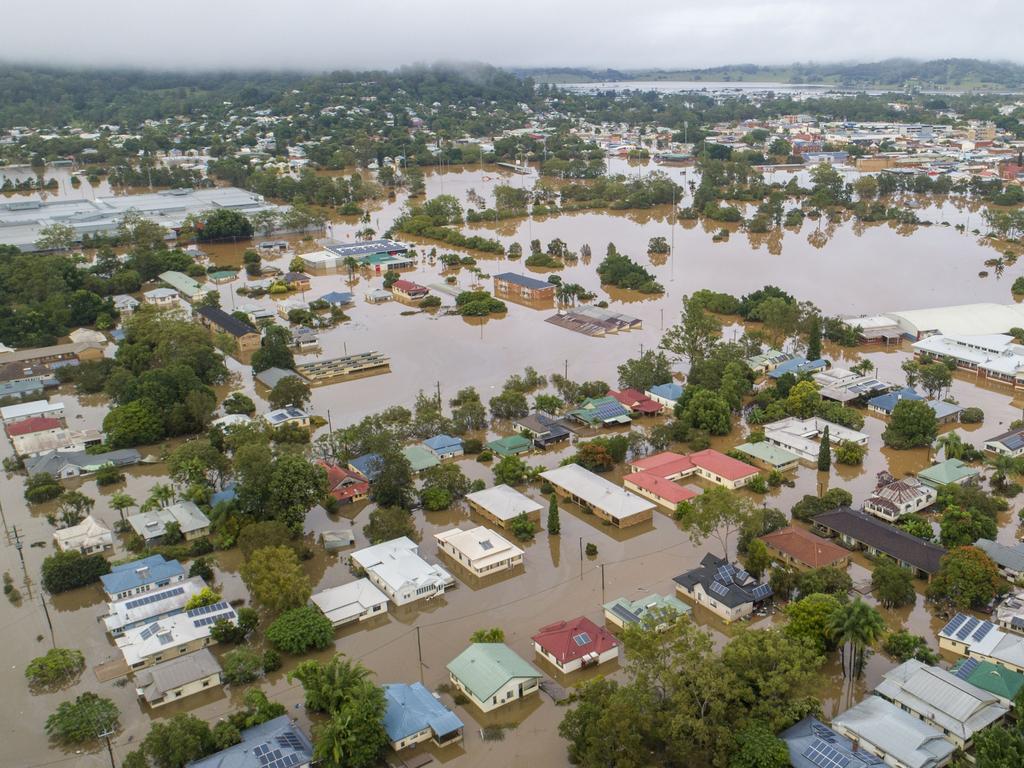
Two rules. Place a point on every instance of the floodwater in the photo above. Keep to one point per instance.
(866, 269)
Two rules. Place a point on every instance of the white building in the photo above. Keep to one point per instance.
(502, 504)
(357, 601)
(88, 537)
(605, 499)
(479, 550)
(803, 436)
(11, 414)
(899, 738)
(900, 497)
(994, 356)
(137, 610)
(173, 636)
(397, 569)
(167, 298)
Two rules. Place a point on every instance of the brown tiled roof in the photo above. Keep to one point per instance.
(805, 547)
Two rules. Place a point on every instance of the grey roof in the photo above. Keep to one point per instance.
(811, 743)
(54, 461)
(1011, 558)
(152, 523)
(279, 737)
(523, 280)
(226, 322)
(157, 681)
(271, 376)
(895, 732)
(725, 582)
(1012, 440)
(885, 538)
(366, 248)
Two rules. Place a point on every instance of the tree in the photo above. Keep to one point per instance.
(203, 597)
(904, 646)
(554, 524)
(354, 736)
(810, 619)
(757, 559)
(916, 525)
(225, 223)
(299, 630)
(275, 350)
(695, 335)
(850, 453)
(242, 665)
(63, 571)
(935, 378)
(83, 719)
(56, 237)
(510, 404)
(291, 390)
(827, 580)
(387, 523)
(266, 533)
(177, 741)
(809, 506)
(648, 370)
(294, 486)
(717, 513)
(393, 485)
(72, 507)
(239, 402)
(235, 632)
(275, 578)
(41, 487)
(522, 527)
(855, 626)
(967, 578)
(594, 456)
(814, 338)
(492, 635)
(758, 747)
(706, 410)
(824, 451)
(803, 400)
(912, 371)
(962, 527)
(511, 470)
(135, 423)
(57, 667)
(999, 747)
(328, 685)
(892, 584)
(912, 425)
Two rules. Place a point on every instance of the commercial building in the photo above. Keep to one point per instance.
(606, 500)
(502, 504)
(347, 365)
(897, 737)
(859, 530)
(397, 569)
(414, 716)
(492, 675)
(575, 644)
(479, 550)
(725, 589)
(88, 537)
(177, 679)
(997, 357)
(173, 636)
(140, 576)
(511, 285)
(277, 743)
(982, 319)
(356, 601)
(803, 550)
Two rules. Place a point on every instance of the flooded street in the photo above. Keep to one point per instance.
(861, 269)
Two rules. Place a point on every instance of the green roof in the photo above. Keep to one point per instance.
(768, 453)
(182, 283)
(419, 457)
(484, 667)
(991, 677)
(639, 608)
(511, 445)
(948, 471)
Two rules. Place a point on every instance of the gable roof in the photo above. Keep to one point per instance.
(522, 280)
(484, 668)
(411, 709)
(989, 677)
(659, 486)
(443, 442)
(896, 733)
(810, 740)
(804, 546)
(148, 570)
(616, 502)
(575, 638)
(504, 502)
(670, 391)
(1011, 558)
(728, 584)
(32, 425)
(886, 538)
(155, 682)
(226, 322)
(277, 735)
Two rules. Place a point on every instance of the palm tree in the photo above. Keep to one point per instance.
(161, 495)
(353, 264)
(855, 625)
(1002, 467)
(122, 501)
(953, 447)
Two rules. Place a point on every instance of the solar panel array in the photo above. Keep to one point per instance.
(719, 589)
(149, 631)
(725, 573)
(289, 739)
(761, 591)
(1014, 442)
(984, 629)
(581, 639)
(275, 758)
(486, 545)
(741, 576)
(625, 614)
(204, 609)
(967, 668)
(609, 411)
(824, 755)
(954, 624)
(155, 597)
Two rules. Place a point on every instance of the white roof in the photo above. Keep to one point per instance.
(87, 334)
(616, 502)
(504, 502)
(156, 602)
(160, 293)
(480, 545)
(992, 352)
(172, 631)
(898, 734)
(800, 435)
(348, 601)
(151, 524)
(88, 533)
(965, 319)
(32, 408)
(231, 420)
(368, 557)
(410, 569)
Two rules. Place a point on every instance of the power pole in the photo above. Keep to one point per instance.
(106, 735)
(419, 652)
(602, 582)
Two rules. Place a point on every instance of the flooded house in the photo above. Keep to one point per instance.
(165, 298)
(66, 464)
(894, 498)
(998, 356)
(803, 436)
(897, 737)
(622, 611)
(414, 716)
(768, 456)
(1010, 559)
(12, 414)
(186, 287)
(89, 537)
(492, 675)
(980, 639)
(1002, 682)
(356, 601)
(709, 464)
(543, 428)
(666, 394)
(148, 607)
(343, 484)
(511, 445)
(420, 458)
(530, 289)
(502, 503)
(637, 402)
(279, 741)
(575, 644)
(397, 569)
(725, 589)
(287, 415)
(444, 446)
(408, 290)
(604, 499)
(812, 744)
(946, 472)
(601, 412)
(140, 576)
(152, 524)
(179, 678)
(1010, 443)
(479, 550)
(173, 636)
(247, 338)
(800, 549)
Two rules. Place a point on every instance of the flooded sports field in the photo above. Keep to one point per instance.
(857, 269)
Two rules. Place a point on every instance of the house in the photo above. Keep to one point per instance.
(1009, 559)
(845, 386)
(521, 287)
(368, 465)
(899, 738)
(414, 715)
(946, 472)
(397, 569)
(65, 464)
(87, 336)
(419, 457)
(859, 530)
(231, 420)
(796, 366)
(1004, 683)
(768, 456)
(88, 537)
(725, 589)
(378, 296)
(176, 679)
(575, 644)
(666, 394)
(606, 500)
(183, 284)
(164, 298)
(62, 440)
(53, 355)
(708, 464)
(287, 415)
(297, 281)
(941, 699)
(479, 550)
(892, 500)
(803, 550)
(444, 446)
(345, 485)
(151, 525)
(543, 428)
(601, 411)
(137, 610)
(767, 361)
(662, 492)
(38, 375)
(408, 290)
(884, 404)
(337, 298)
(1008, 443)
(305, 338)
(277, 743)
(11, 414)
(356, 601)
(273, 376)
(812, 744)
(637, 402)
(510, 446)
(502, 503)
(803, 436)
(216, 319)
(945, 413)
(173, 636)
(1009, 612)
(979, 639)
(623, 611)
(35, 425)
(493, 675)
(141, 576)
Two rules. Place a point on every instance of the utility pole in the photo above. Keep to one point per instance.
(106, 735)
(330, 426)
(602, 582)
(419, 652)
(439, 394)
(18, 546)
(49, 621)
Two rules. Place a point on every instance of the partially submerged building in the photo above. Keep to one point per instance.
(492, 675)
(725, 589)
(176, 679)
(353, 602)
(606, 500)
(479, 550)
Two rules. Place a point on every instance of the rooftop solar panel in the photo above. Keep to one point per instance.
(289, 739)
(954, 624)
(625, 614)
(581, 639)
(719, 589)
(761, 591)
(208, 609)
(967, 628)
(967, 668)
(825, 755)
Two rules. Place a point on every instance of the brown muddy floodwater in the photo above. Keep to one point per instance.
(860, 269)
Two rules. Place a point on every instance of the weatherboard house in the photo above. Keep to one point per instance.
(277, 743)
(414, 716)
(493, 675)
(141, 576)
(575, 644)
(725, 589)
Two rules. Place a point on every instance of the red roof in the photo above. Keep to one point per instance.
(664, 464)
(565, 639)
(35, 424)
(636, 400)
(407, 285)
(344, 483)
(722, 465)
(660, 487)
(805, 547)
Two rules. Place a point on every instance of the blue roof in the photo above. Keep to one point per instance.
(670, 391)
(523, 280)
(411, 709)
(337, 297)
(129, 576)
(888, 401)
(442, 442)
(228, 494)
(277, 743)
(812, 744)
(368, 465)
(798, 365)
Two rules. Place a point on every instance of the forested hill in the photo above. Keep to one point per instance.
(942, 74)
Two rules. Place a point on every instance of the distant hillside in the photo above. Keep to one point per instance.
(940, 74)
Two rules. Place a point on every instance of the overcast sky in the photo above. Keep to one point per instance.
(326, 34)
